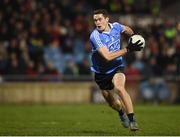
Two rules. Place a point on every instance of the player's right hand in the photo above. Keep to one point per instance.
(134, 46)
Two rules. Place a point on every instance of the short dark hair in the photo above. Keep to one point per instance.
(101, 11)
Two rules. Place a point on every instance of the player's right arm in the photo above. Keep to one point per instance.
(100, 46)
(111, 55)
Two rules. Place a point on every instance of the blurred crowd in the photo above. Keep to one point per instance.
(51, 37)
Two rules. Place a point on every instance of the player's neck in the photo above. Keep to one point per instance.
(108, 28)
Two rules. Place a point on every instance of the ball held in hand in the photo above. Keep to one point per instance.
(139, 38)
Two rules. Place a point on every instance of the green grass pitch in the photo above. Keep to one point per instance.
(85, 120)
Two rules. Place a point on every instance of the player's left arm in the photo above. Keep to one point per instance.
(128, 31)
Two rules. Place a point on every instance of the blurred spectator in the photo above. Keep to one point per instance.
(70, 67)
(169, 30)
(53, 54)
(51, 73)
(13, 47)
(155, 90)
(31, 72)
(15, 67)
(3, 59)
(132, 73)
(84, 67)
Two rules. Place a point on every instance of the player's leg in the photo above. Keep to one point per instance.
(114, 101)
(105, 84)
(119, 84)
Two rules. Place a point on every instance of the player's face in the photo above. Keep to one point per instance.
(101, 22)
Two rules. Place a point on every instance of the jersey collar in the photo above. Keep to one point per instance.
(111, 27)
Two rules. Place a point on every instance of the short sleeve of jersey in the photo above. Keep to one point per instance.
(119, 26)
(96, 40)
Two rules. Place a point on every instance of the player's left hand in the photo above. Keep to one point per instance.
(134, 46)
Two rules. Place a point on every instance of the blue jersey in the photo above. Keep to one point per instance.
(111, 40)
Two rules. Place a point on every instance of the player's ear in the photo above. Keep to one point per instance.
(107, 19)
